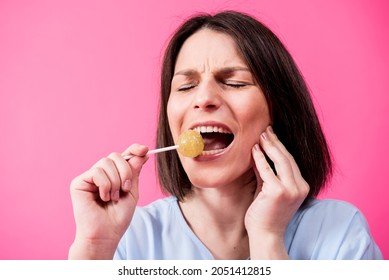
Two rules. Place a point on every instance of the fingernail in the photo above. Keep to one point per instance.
(264, 136)
(271, 129)
(127, 185)
(256, 147)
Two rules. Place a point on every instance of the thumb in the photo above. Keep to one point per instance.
(256, 172)
(259, 182)
(136, 164)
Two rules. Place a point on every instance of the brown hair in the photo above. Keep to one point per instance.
(294, 118)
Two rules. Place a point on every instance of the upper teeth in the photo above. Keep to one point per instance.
(205, 129)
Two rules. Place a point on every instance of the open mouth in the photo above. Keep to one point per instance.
(216, 139)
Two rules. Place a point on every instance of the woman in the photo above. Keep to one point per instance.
(251, 193)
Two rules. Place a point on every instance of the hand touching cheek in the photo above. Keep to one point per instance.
(278, 196)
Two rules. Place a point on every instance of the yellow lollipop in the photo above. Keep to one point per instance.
(190, 144)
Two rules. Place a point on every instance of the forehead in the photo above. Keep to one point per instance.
(209, 48)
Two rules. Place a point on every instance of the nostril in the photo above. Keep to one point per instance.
(210, 106)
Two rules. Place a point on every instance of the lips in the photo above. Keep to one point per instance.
(217, 137)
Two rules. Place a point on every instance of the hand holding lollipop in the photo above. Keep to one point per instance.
(190, 144)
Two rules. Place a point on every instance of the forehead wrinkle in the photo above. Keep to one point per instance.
(185, 72)
(222, 70)
(232, 69)
(208, 51)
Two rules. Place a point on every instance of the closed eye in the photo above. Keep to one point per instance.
(235, 84)
(186, 87)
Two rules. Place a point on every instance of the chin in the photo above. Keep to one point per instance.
(214, 179)
(206, 184)
(219, 172)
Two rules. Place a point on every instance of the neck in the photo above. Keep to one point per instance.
(216, 216)
(219, 206)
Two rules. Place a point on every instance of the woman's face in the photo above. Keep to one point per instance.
(214, 92)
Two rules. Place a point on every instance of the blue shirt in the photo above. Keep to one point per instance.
(325, 229)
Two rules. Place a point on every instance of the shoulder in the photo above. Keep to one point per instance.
(155, 231)
(328, 215)
(157, 208)
(334, 214)
(331, 229)
(155, 216)
(143, 237)
(329, 218)
(329, 209)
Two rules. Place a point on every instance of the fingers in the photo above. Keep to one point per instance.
(287, 157)
(112, 175)
(136, 163)
(136, 150)
(263, 169)
(282, 159)
(287, 171)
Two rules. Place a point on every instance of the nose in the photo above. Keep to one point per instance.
(208, 96)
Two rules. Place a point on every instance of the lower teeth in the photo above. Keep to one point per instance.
(212, 152)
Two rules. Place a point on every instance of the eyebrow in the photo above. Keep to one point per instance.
(225, 70)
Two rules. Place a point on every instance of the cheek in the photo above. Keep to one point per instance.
(257, 117)
(175, 116)
(254, 121)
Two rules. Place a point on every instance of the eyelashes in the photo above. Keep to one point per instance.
(186, 88)
(225, 84)
(236, 85)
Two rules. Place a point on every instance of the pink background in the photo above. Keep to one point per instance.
(79, 79)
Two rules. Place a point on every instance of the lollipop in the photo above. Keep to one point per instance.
(189, 144)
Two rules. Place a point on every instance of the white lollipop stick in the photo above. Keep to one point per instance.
(156, 151)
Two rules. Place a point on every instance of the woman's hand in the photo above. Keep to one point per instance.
(104, 200)
(277, 198)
